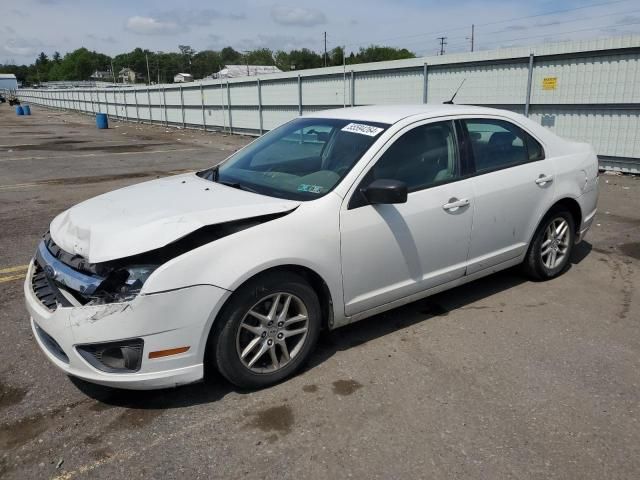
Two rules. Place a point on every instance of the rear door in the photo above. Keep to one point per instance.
(513, 186)
(393, 251)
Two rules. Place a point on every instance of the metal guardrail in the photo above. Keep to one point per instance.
(583, 90)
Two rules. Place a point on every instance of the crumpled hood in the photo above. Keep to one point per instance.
(150, 215)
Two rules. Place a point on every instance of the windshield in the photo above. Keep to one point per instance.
(301, 160)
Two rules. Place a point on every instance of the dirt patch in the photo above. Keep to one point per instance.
(275, 419)
(346, 387)
(10, 395)
(134, 419)
(72, 146)
(17, 433)
(106, 178)
(310, 388)
(631, 250)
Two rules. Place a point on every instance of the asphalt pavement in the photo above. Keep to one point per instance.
(500, 378)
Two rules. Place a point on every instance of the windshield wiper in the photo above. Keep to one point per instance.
(237, 185)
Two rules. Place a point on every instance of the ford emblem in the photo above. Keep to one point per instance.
(50, 272)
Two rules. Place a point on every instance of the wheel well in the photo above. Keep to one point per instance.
(316, 282)
(574, 209)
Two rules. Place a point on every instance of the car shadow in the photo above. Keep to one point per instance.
(214, 387)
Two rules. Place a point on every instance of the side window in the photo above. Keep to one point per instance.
(497, 144)
(535, 150)
(422, 157)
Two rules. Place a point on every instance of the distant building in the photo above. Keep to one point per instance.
(8, 81)
(183, 78)
(99, 75)
(235, 71)
(126, 75)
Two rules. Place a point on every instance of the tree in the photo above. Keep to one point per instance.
(376, 53)
(205, 63)
(230, 56)
(261, 56)
(187, 52)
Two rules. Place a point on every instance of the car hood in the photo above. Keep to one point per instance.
(150, 215)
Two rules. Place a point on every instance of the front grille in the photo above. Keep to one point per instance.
(51, 344)
(45, 289)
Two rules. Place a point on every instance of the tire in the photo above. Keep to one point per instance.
(539, 262)
(238, 329)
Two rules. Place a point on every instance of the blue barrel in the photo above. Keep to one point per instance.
(19, 110)
(26, 109)
(102, 121)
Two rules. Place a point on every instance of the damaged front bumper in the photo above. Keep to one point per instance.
(162, 321)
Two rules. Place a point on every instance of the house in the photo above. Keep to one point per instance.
(183, 78)
(126, 75)
(235, 71)
(8, 81)
(101, 75)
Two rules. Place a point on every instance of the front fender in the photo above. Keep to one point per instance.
(308, 237)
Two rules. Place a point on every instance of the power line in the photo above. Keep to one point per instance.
(447, 30)
(562, 33)
(502, 31)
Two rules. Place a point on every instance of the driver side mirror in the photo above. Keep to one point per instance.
(386, 191)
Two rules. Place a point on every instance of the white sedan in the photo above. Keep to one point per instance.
(326, 220)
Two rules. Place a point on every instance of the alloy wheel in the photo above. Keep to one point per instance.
(556, 243)
(272, 332)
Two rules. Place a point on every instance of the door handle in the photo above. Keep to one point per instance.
(544, 179)
(454, 204)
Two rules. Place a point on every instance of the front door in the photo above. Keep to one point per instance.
(393, 251)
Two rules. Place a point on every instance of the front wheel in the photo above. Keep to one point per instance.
(551, 247)
(267, 331)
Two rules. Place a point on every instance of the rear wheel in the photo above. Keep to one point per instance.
(267, 331)
(551, 247)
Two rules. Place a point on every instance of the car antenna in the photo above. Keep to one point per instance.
(450, 102)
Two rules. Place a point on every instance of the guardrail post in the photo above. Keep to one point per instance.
(352, 93)
(126, 105)
(164, 100)
(149, 100)
(229, 107)
(260, 106)
(425, 82)
(299, 95)
(204, 120)
(182, 106)
(135, 98)
(115, 104)
(529, 83)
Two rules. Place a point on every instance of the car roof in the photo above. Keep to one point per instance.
(394, 113)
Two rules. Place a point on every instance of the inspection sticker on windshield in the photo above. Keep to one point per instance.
(362, 129)
(303, 187)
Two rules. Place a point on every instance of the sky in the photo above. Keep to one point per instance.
(28, 27)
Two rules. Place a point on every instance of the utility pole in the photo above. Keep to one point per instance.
(113, 72)
(148, 73)
(443, 42)
(325, 49)
(473, 36)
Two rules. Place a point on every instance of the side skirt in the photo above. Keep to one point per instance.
(426, 293)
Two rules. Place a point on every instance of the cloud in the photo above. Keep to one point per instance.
(151, 26)
(198, 18)
(275, 42)
(175, 21)
(629, 20)
(22, 47)
(297, 16)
